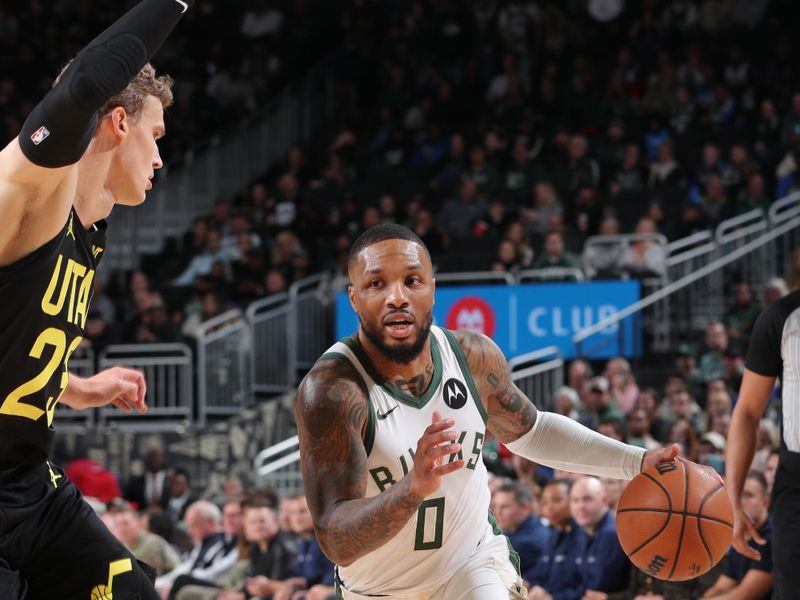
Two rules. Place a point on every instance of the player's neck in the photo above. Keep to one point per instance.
(93, 201)
(412, 378)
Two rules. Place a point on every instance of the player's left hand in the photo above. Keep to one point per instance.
(124, 388)
(662, 455)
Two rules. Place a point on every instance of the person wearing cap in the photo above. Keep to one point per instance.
(712, 449)
(598, 402)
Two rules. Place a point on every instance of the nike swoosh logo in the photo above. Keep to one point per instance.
(184, 5)
(382, 416)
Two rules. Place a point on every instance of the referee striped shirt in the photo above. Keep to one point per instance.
(775, 352)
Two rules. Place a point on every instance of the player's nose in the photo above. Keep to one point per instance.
(157, 162)
(396, 296)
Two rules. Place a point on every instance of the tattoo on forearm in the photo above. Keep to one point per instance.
(511, 413)
(331, 413)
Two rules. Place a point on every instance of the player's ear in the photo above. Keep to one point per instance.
(351, 295)
(120, 122)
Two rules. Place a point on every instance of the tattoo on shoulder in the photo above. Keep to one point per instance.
(331, 413)
(511, 413)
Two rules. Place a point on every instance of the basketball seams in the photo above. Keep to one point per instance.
(666, 522)
(705, 499)
(677, 512)
(705, 545)
(663, 489)
(683, 518)
(672, 538)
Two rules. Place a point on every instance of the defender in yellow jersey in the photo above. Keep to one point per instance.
(391, 424)
(90, 144)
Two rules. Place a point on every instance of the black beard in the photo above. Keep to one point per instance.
(399, 354)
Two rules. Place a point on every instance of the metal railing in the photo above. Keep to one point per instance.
(538, 374)
(223, 364)
(550, 274)
(475, 278)
(221, 169)
(269, 323)
(309, 327)
(773, 236)
(168, 373)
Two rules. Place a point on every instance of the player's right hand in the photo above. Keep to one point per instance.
(744, 530)
(437, 442)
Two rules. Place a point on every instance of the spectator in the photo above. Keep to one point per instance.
(639, 429)
(566, 402)
(557, 576)
(211, 557)
(733, 365)
(770, 470)
(202, 264)
(598, 402)
(711, 366)
(622, 383)
(602, 258)
(93, 479)
(775, 289)
(604, 566)
(511, 503)
(645, 257)
(682, 433)
(313, 574)
(145, 546)
(554, 255)
(181, 495)
(744, 577)
(458, 215)
(711, 451)
(741, 316)
(151, 489)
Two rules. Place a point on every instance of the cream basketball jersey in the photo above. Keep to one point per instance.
(450, 524)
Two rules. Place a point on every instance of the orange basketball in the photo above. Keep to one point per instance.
(675, 520)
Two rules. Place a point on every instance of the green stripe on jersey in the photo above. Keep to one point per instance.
(397, 394)
(462, 362)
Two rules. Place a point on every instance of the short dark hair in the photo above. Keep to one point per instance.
(381, 233)
(759, 477)
(567, 483)
(522, 493)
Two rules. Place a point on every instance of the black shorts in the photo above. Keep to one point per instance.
(786, 528)
(53, 545)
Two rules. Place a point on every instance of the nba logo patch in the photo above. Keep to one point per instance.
(40, 135)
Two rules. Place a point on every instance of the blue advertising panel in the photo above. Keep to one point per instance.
(527, 317)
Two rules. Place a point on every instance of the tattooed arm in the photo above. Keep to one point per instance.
(546, 438)
(331, 412)
(511, 413)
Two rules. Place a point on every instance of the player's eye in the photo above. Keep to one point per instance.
(413, 280)
(374, 283)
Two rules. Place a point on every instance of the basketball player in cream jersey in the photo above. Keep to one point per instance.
(392, 422)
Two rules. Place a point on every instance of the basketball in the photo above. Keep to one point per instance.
(675, 520)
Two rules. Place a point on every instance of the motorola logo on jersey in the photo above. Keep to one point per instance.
(472, 313)
(455, 393)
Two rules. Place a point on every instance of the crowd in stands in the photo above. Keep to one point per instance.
(505, 135)
(228, 61)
